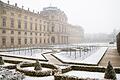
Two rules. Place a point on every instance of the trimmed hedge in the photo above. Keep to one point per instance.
(88, 68)
(67, 69)
(65, 77)
(82, 68)
(55, 69)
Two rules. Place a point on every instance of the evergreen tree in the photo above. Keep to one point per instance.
(1, 61)
(110, 72)
(37, 66)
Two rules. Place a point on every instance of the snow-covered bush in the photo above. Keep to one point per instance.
(6, 74)
(110, 72)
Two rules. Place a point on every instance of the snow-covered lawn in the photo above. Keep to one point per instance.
(35, 53)
(91, 57)
(86, 74)
(39, 78)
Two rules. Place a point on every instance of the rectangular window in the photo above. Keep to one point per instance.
(19, 23)
(31, 41)
(36, 40)
(12, 32)
(3, 41)
(3, 21)
(36, 34)
(19, 33)
(12, 40)
(3, 31)
(19, 41)
(40, 27)
(44, 40)
(40, 40)
(31, 33)
(12, 22)
(44, 28)
(35, 26)
(30, 26)
(25, 33)
(25, 25)
(40, 34)
(25, 41)
(48, 40)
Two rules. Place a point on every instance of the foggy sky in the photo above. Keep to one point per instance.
(95, 16)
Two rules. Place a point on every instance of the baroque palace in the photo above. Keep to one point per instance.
(22, 28)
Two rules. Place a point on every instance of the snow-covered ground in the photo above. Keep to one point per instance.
(86, 74)
(90, 57)
(39, 78)
(34, 53)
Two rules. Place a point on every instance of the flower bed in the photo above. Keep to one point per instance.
(39, 73)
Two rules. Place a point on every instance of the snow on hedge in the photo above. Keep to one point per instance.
(86, 74)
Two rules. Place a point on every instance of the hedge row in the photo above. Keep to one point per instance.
(82, 68)
(55, 69)
(65, 77)
(67, 69)
(88, 68)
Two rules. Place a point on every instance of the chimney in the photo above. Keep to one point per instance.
(8, 1)
(22, 7)
(38, 12)
(15, 4)
(33, 10)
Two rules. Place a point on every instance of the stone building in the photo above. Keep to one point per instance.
(21, 28)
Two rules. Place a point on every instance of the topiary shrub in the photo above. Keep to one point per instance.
(110, 72)
(37, 66)
(1, 61)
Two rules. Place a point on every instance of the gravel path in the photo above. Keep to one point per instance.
(112, 56)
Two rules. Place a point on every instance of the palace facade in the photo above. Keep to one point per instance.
(21, 28)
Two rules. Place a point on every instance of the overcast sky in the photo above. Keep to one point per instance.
(95, 16)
